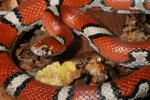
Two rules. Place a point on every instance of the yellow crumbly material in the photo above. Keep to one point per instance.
(57, 74)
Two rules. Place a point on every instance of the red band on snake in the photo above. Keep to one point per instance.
(71, 12)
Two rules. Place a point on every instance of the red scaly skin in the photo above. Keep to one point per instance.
(111, 48)
(55, 28)
(7, 37)
(123, 4)
(147, 5)
(119, 4)
(125, 85)
(117, 51)
(34, 10)
(7, 67)
(76, 3)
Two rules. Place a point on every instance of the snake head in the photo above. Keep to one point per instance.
(41, 49)
(48, 46)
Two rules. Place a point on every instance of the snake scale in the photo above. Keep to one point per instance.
(60, 19)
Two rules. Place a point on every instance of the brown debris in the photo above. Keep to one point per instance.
(8, 4)
(4, 95)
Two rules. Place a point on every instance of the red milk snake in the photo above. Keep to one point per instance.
(59, 17)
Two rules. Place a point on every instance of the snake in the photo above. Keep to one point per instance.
(62, 18)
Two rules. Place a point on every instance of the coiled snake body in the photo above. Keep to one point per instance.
(59, 17)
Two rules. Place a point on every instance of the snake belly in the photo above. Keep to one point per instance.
(34, 12)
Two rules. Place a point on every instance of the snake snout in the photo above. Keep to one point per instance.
(41, 49)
